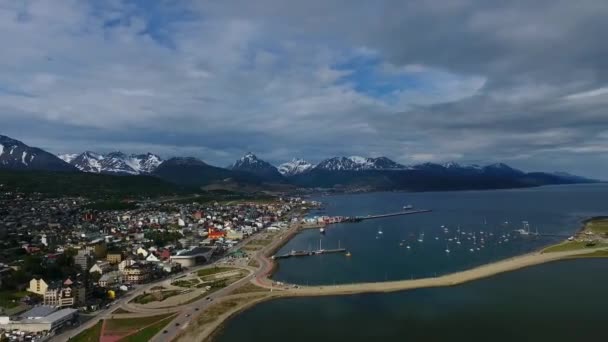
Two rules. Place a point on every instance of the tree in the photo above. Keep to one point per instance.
(95, 276)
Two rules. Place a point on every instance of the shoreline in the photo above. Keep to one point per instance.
(448, 280)
(452, 279)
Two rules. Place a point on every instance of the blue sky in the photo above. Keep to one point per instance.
(468, 81)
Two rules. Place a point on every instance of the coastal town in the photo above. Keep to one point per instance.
(63, 260)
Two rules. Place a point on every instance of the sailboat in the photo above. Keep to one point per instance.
(421, 237)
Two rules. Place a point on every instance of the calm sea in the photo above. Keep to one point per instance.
(561, 301)
(475, 226)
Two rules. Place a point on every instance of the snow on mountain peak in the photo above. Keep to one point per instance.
(114, 162)
(294, 167)
(66, 157)
(356, 163)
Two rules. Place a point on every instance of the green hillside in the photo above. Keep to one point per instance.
(87, 184)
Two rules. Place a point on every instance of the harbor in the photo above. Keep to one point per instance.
(310, 252)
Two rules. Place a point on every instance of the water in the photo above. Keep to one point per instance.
(561, 301)
(378, 257)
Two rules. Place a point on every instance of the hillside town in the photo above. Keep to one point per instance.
(61, 257)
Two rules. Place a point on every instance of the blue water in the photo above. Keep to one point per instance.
(561, 301)
(377, 257)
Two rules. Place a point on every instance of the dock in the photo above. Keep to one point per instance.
(308, 253)
(400, 213)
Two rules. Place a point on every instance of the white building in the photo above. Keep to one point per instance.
(38, 319)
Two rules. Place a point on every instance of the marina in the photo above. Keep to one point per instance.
(476, 227)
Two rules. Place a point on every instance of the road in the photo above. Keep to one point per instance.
(107, 313)
(188, 312)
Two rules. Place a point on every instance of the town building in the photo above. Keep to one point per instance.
(136, 274)
(114, 258)
(39, 319)
(38, 286)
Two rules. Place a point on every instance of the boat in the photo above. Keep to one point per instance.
(525, 230)
(408, 247)
(408, 207)
(322, 230)
(348, 254)
(447, 250)
(380, 232)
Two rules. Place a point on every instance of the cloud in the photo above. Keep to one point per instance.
(471, 81)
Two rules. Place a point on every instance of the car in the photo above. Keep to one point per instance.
(195, 309)
(165, 331)
(187, 315)
(177, 324)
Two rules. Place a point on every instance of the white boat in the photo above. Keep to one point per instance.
(408, 207)
(447, 250)
(322, 230)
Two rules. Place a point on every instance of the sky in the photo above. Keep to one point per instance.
(520, 82)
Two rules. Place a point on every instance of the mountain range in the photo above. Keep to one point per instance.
(113, 163)
(16, 155)
(377, 173)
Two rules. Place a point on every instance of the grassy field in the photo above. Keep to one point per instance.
(598, 226)
(248, 288)
(186, 283)
(147, 333)
(210, 271)
(155, 296)
(569, 246)
(565, 246)
(130, 324)
(90, 335)
(596, 254)
(11, 299)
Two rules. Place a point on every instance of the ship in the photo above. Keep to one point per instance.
(322, 230)
(408, 207)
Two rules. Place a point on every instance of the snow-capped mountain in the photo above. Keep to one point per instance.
(356, 163)
(18, 156)
(114, 162)
(295, 167)
(68, 157)
(252, 164)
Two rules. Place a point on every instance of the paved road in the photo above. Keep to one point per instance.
(107, 313)
(189, 312)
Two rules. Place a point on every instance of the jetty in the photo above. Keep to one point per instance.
(323, 221)
(308, 253)
(400, 213)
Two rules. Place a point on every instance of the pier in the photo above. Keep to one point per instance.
(400, 213)
(308, 253)
(327, 220)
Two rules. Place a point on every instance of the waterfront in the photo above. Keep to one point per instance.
(379, 257)
(560, 301)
